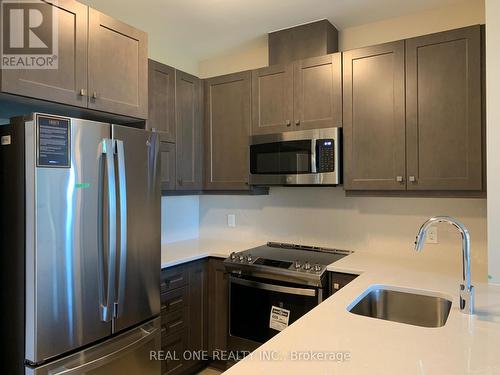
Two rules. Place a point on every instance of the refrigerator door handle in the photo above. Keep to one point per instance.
(122, 183)
(153, 146)
(102, 361)
(107, 297)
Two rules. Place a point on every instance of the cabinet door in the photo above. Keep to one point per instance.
(174, 347)
(118, 67)
(161, 100)
(218, 295)
(198, 308)
(68, 83)
(374, 118)
(443, 104)
(227, 124)
(317, 92)
(167, 159)
(188, 115)
(272, 99)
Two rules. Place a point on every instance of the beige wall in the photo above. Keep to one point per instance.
(158, 47)
(254, 54)
(251, 55)
(451, 17)
(493, 134)
(324, 216)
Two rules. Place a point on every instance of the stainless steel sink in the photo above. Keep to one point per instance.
(403, 307)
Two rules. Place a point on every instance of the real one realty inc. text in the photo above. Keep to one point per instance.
(261, 355)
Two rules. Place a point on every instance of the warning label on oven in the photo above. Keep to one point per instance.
(279, 318)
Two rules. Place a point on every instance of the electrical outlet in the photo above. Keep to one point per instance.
(432, 235)
(231, 220)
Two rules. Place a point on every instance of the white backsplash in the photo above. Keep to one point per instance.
(180, 218)
(324, 216)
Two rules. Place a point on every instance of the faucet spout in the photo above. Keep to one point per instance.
(466, 288)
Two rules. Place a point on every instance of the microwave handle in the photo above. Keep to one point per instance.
(274, 288)
(314, 151)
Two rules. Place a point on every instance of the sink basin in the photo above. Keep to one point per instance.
(403, 307)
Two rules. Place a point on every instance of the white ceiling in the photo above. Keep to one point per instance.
(202, 29)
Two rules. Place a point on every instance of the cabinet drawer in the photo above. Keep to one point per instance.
(174, 321)
(174, 300)
(172, 278)
(174, 346)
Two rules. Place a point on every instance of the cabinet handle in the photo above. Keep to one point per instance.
(297, 122)
(94, 95)
(179, 181)
(399, 179)
(83, 92)
(288, 123)
(412, 179)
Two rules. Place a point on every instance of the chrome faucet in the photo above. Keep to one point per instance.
(467, 290)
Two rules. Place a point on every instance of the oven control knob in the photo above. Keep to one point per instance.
(242, 258)
(249, 258)
(307, 266)
(317, 267)
(297, 264)
(232, 256)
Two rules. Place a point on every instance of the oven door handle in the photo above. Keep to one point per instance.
(274, 288)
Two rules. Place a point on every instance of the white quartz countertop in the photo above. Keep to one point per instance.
(465, 345)
(176, 253)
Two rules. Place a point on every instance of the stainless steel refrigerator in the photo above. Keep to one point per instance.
(80, 247)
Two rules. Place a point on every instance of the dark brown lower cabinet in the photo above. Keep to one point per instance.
(198, 307)
(194, 300)
(184, 317)
(218, 308)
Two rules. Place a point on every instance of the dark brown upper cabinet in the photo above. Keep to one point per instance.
(68, 83)
(443, 111)
(189, 125)
(167, 159)
(175, 112)
(272, 99)
(304, 95)
(118, 66)
(227, 129)
(374, 118)
(102, 65)
(313, 39)
(161, 100)
(419, 130)
(317, 92)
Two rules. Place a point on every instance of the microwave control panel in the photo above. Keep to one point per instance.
(325, 156)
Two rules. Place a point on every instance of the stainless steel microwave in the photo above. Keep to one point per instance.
(308, 157)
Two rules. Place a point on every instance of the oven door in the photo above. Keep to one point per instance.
(260, 309)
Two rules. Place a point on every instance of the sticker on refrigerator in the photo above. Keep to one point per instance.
(6, 140)
(279, 318)
(53, 142)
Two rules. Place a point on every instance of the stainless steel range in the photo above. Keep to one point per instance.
(273, 285)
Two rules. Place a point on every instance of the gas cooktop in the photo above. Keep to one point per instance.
(286, 262)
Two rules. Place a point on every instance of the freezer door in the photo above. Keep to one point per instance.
(139, 244)
(66, 242)
(131, 353)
